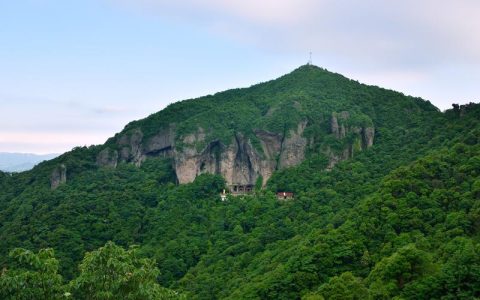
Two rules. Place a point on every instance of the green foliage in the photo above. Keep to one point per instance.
(399, 220)
(308, 94)
(162, 168)
(460, 275)
(107, 273)
(390, 276)
(35, 276)
(114, 273)
(346, 286)
(259, 183)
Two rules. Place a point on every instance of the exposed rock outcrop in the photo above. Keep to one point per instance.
(271, 144)
(238, 161)
(338, 128)
(107, 158)
(293, 147)
(186, 160)
(135, 149)
(242, 164)
(130, 145)
(58, 177)
(161, 144)
(361, 137)
(368, 134)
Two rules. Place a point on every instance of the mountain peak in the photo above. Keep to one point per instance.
(312, 69)
(246, 134)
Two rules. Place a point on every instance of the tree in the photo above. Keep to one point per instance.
(112, 272)
(389, 276)
(461, 272)
(346, 286)
(35, 277)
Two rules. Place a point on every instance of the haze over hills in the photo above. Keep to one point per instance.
(386, 192)
(18, 162)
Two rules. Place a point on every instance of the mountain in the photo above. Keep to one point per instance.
(386, 192)
(247, 134)
(18, 162)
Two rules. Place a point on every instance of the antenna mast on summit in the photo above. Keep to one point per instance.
(310, 59)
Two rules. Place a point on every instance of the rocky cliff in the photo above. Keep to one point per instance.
(247, 134)
(58, 176)
(240, 162)
(356, 138)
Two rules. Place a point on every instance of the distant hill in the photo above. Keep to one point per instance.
(19, 162)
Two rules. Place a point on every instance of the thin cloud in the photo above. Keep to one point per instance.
(439, 28)
(46, 142)
(266, 12)
(370, 39)
(110, 110)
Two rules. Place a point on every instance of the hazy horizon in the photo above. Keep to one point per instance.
(19, 162)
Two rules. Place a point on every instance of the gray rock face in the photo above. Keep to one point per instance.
(272, 147)
(107, 158)
(187, 162)
(368, 134)
(239, 162)
(335, 158)
(339, 130)
(363, 138)
(293, 148)
(58, 177)
(134, 149)
(131, 147)
(271, 143)
(161, 144)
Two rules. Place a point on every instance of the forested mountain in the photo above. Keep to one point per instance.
(386, 201)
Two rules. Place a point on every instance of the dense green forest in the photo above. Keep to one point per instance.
(400, 220)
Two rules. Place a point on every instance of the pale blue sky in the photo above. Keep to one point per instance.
(75, 72)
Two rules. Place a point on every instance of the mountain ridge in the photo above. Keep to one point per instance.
(207, 135)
